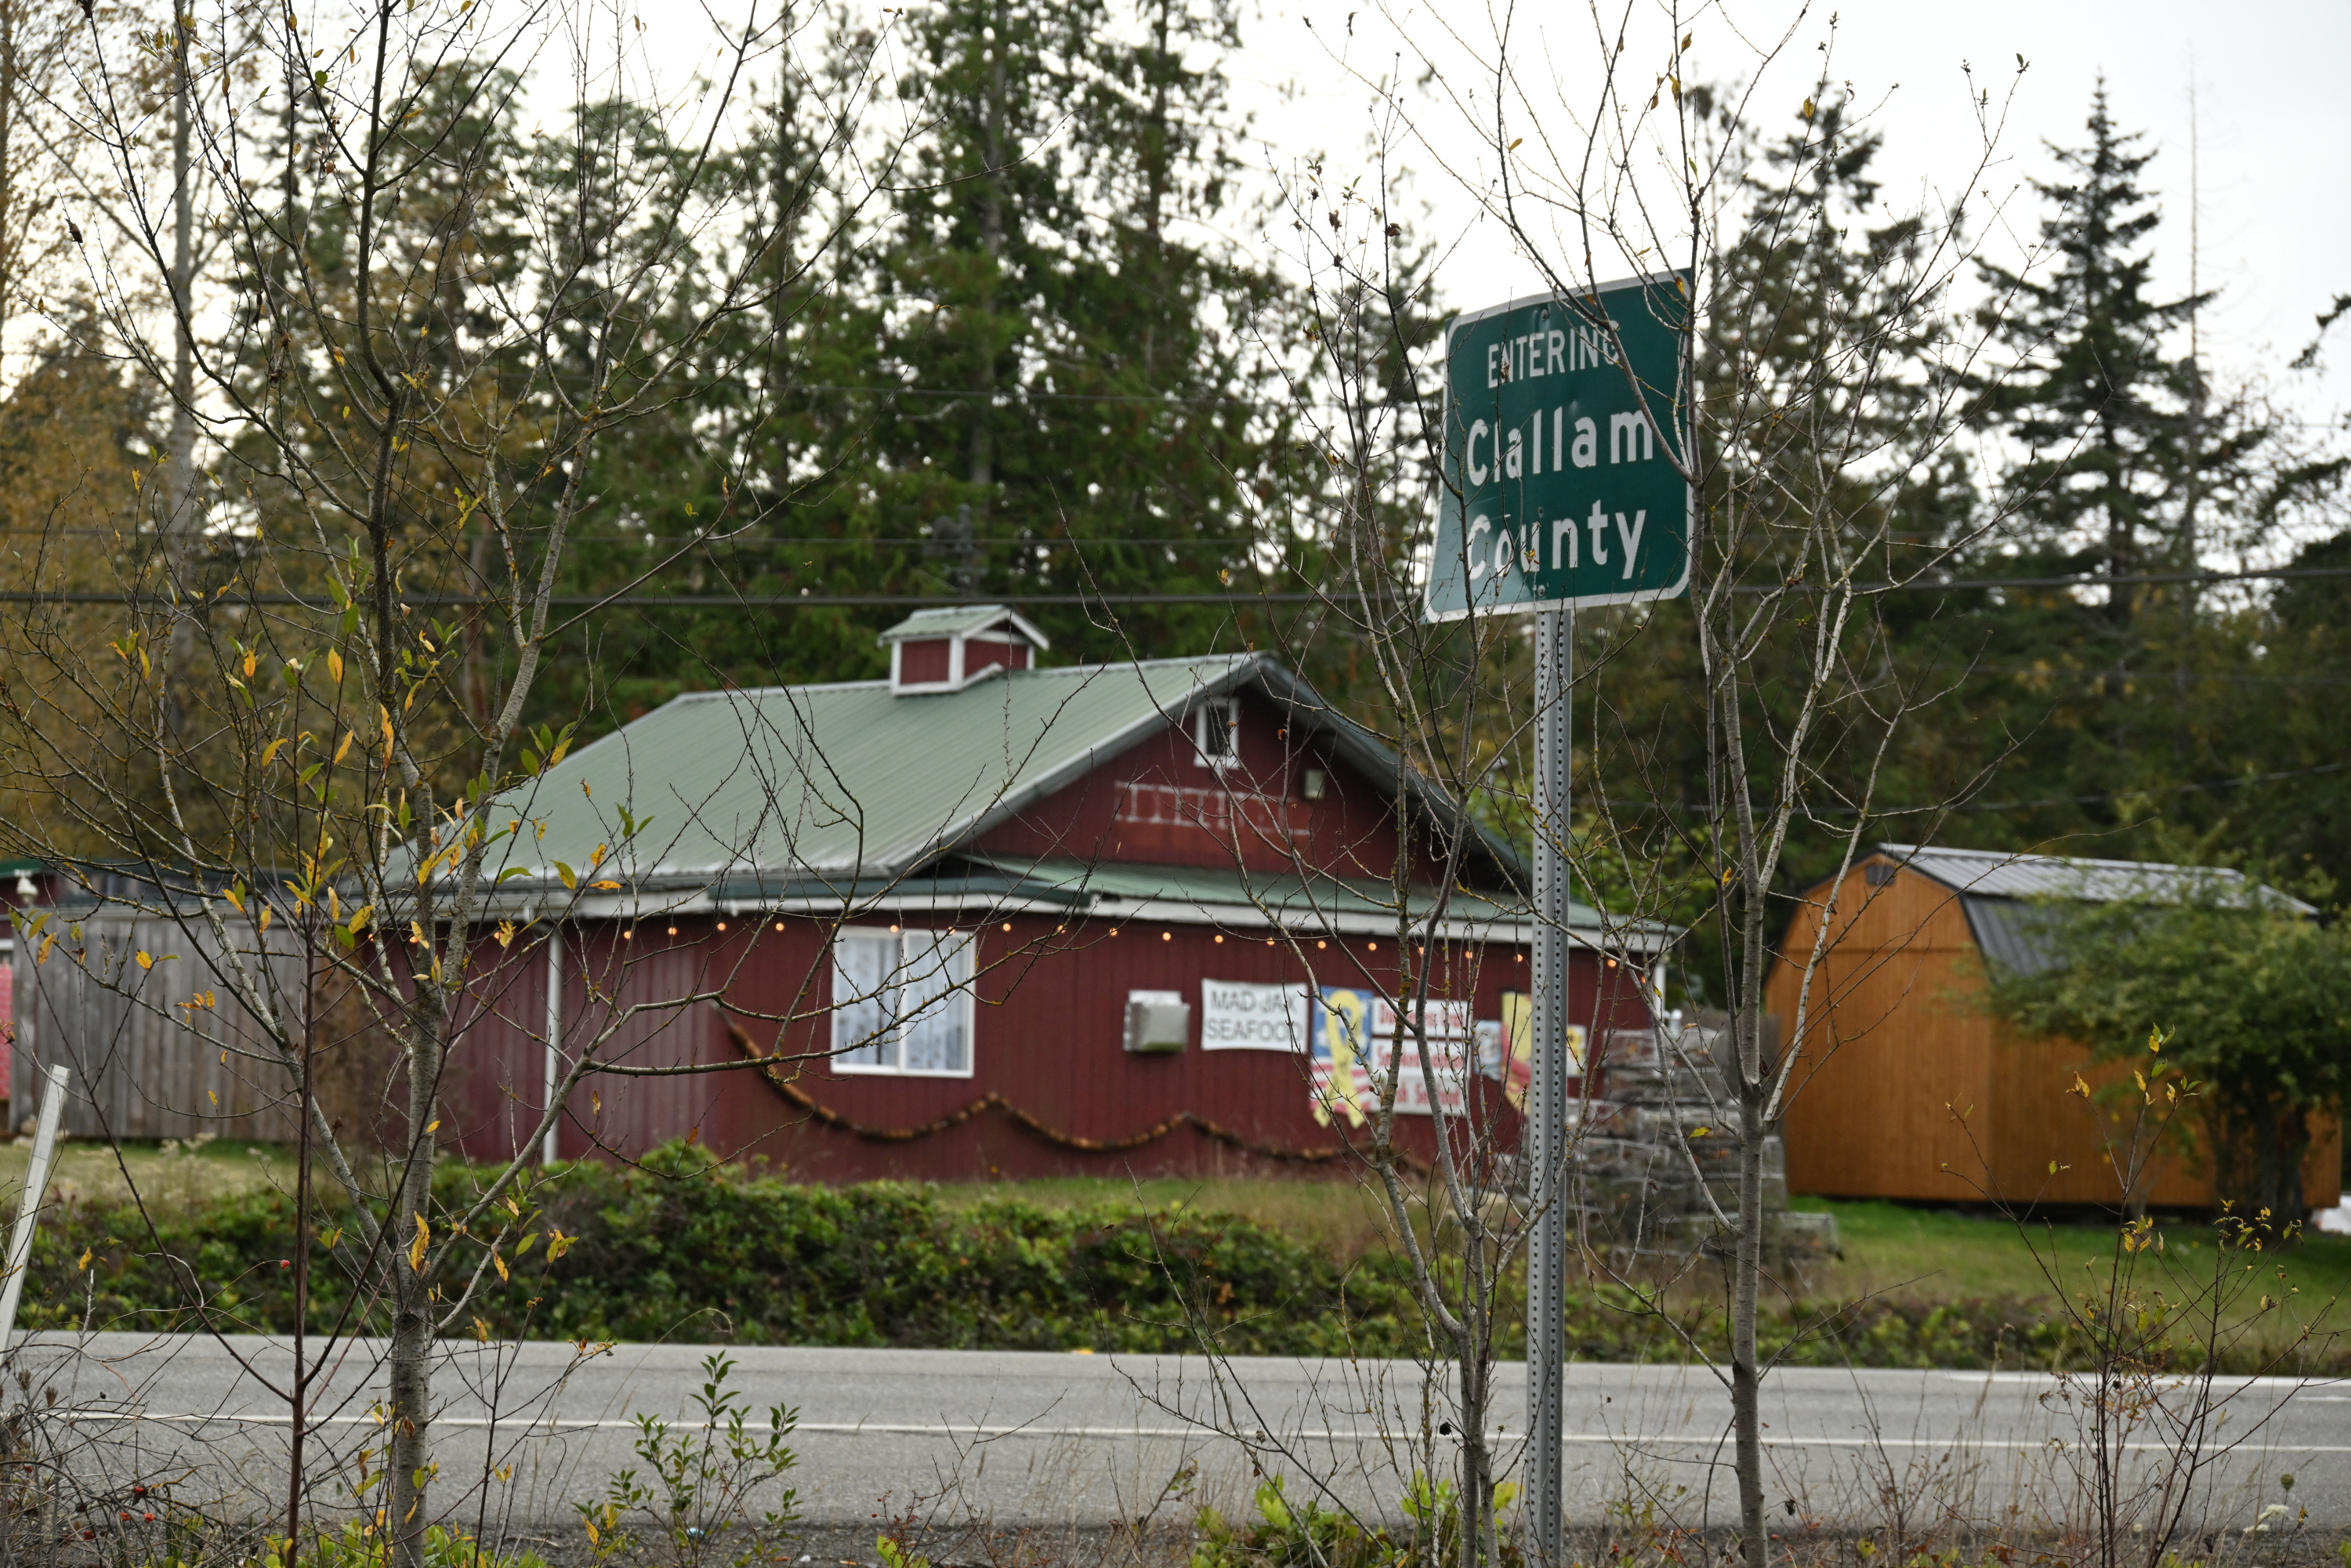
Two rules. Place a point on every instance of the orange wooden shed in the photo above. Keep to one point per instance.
(1906, 1088)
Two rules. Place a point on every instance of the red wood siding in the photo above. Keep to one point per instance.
(921, 663)
(979, 654)
(1159, 803)
(1049, 1023)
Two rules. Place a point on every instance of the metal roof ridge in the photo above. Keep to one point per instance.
(1045, 865)
(717, 692)
(883, 683)
(2033, 857)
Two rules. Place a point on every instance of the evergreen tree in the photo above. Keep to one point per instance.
(2103, 415)
(1082, 407)
(2082, 719)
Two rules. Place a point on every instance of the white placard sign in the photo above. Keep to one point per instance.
(1237, 1015)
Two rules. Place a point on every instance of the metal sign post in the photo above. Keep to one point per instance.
(1546, 1128)
(1562, 419)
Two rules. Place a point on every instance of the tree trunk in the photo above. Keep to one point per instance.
(413, 1333)
(1746, 1369)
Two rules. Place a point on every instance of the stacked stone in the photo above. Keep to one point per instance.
(1661, 1140)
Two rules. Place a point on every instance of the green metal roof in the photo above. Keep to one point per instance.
(1217, 894)
(850, 782)
(1305, 899)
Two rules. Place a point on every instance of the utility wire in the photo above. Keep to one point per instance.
(2096, 798)
(1234, 597)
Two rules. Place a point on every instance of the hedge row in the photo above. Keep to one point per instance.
(681, 1252)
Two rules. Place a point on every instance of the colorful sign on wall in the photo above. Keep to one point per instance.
(1356, 1037)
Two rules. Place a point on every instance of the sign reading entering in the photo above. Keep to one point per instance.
(1560, 482)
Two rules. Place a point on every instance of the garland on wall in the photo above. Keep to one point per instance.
(832, 1118)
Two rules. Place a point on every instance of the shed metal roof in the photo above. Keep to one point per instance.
(2002, 874)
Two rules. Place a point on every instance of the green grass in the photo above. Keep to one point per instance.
(177, 1177)
(1929, 1254)
(1912, 1253)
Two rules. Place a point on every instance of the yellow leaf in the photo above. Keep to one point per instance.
(146, 960)
(214, 1093)
(252, 662)
(481, 1331)
(334, 666)
(433, 1127)
(498, 1263)
(558, 1244)
(570, 878)
(344, 749)
(416, 1247)
(607, 885)
(265, 917)
(85, 1259)
(269, 751)
(47, 943)
(1807, 108)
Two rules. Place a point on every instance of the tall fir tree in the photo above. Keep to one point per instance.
(1082, 406)
(2101, 411)
(2087, 714)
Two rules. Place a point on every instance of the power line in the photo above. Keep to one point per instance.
(2098, 797)
(629, 601)
(1700, 808)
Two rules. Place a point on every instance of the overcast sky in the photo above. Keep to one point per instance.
(2273, 126)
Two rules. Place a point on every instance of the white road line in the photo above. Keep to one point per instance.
(521, 1428)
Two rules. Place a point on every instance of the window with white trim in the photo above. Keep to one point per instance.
(1217, 733)
(902, 1002)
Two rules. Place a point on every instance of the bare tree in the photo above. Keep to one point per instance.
(251, 726)
(1827, 369)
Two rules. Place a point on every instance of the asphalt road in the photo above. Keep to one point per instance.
(526, 1430)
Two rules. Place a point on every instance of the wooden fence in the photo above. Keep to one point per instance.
(158, 1050)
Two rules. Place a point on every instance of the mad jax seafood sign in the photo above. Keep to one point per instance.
(1565, 421)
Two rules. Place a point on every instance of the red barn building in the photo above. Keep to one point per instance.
(993, 919)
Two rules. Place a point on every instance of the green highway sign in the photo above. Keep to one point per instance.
(1560, 484)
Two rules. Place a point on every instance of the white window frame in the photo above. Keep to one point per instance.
(1230, 708)
(872, 1016)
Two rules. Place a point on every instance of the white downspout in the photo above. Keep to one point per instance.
(554, 1034)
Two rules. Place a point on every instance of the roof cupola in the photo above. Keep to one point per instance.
(946, 650)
